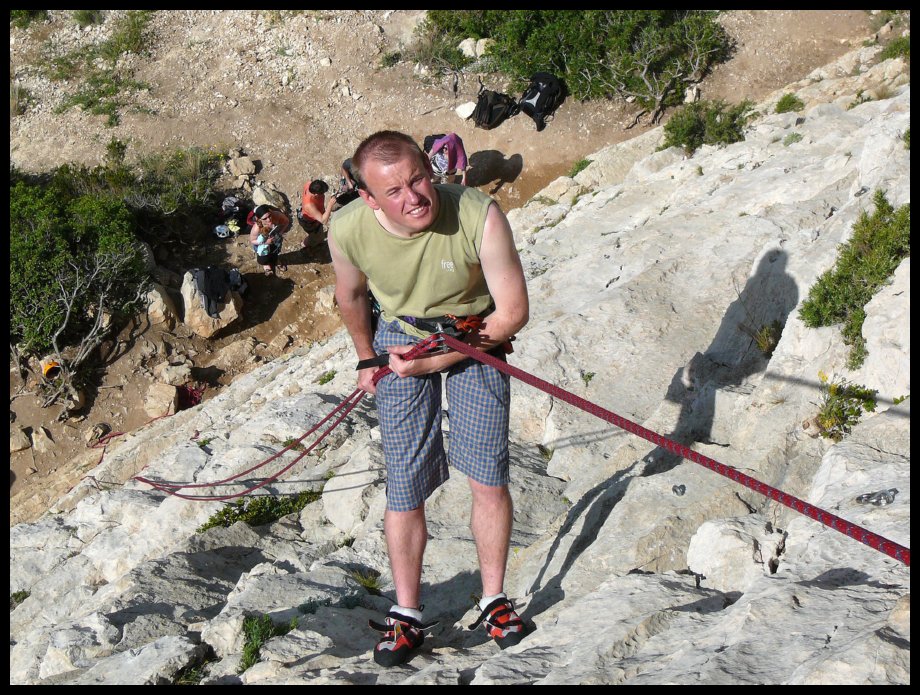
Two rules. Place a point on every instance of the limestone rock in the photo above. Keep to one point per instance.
(19, 440)
(42, 441)
(731, 554)
(174, 374)
(197, 319)
(161, 399)
(467, 47)
(266, 194)
(465, 110)
(160, 306)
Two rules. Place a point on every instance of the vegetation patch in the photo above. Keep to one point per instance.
(106, 89)
(258, 511)
(21, 19)
(85, 18)
(879, 243)
(842, 404)
(706, 123)
(257, 631)
(369, 579)
(326, 377)
(578, 167)
(897, 48)
(18, 597)
(648, 55)
(791, 139)
(789, 102)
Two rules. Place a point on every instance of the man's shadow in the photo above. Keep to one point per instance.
(491, 165)
(742, 346)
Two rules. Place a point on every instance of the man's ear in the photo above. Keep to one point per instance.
(368, 198)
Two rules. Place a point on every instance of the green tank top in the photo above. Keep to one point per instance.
(431, 274)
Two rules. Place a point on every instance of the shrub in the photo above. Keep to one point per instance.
(789, 102)
(258, 511)
(74, 262)
(706, 123)
(792, 138)
(897, 48)
(326, 377)
(878, 245)
(257, 631)
(84, 18)
(842, 404)
(369, 579)
(647, 54)
(23, 18)
(907, 139)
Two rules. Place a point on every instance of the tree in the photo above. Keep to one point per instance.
(74, 267)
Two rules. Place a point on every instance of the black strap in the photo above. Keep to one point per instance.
(378, 361)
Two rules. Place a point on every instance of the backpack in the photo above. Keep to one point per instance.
(542, 97)
(492, 109)
(430, 140)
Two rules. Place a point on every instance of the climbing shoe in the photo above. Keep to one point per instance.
(402, 635)
(502, 623)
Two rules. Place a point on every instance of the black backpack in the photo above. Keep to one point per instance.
(543, 95)
(492, 109)
(430, 140)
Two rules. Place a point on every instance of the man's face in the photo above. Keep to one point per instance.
(403, 192)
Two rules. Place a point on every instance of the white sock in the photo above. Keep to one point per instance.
(413, 613)
(486, 600)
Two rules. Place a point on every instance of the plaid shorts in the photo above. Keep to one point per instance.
(410, 424)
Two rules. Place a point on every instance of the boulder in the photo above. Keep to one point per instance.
(197, 319)
(162, 399)
(42, 441)
(268, 195)
(19, 440)
(160, 306)
(241, 166)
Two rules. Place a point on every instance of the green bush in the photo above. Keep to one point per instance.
(258, 511)
(706, 123)
(648, 54)
(842, 404)
(23, 18)
(897, 48)
(84, 18)
(878, 245)
(73, 259)
(18, 597)
(789, 102)
(907, 139)
(791, 139)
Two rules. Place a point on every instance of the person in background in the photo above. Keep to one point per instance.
(448, 156)
(267, 235)
(314, 212)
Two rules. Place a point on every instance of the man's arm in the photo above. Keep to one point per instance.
(351, 295)
(504, 276)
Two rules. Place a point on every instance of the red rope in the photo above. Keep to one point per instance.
(873, 540)
(346, 406)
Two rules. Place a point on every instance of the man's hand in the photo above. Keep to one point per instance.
(423, 364)
(366, 379)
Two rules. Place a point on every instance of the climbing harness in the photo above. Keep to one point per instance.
(440, 340)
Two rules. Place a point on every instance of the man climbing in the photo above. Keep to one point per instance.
(427, 251)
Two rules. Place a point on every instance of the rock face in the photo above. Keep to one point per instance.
(633, 566)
